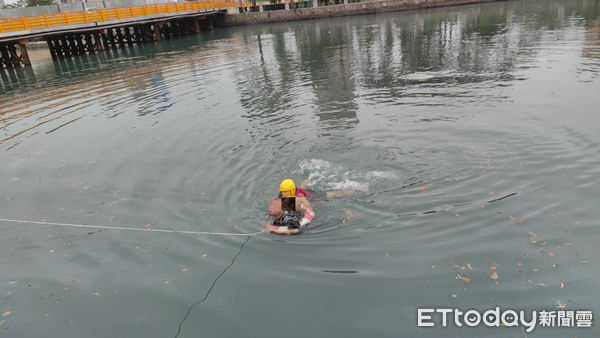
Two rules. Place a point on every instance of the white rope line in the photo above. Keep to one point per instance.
(88, 226)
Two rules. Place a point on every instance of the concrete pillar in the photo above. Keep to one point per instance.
(345, 2)
(23, 50)
(51, 47)
(315, 3)
(157, 34)
(261, 8)
(287, 5)
(197, 26)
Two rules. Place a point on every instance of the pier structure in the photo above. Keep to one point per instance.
(81, 33)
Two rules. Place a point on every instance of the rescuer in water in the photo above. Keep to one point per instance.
(292, 208)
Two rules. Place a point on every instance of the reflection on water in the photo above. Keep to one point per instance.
(383, 61)
(469, 134)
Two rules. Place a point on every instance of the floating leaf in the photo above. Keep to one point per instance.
(453, 295)
(522, 221)
(96, 293)
(422, 188)
(562, 285)
(585, 261)
(560, 305)
(86, 187)
(542, 284)
(144, 251)
(469, 266)
(387, 254)
(204, 255)
(567, 244)
(551, 254)
(493, 267)
(13, 282)
(494, 275)
(519, 264)
(512, 218)
(184, 270)
(166, 282)
(6, 314)
(533, 240)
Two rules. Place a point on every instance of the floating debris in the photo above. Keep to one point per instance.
(465, 278)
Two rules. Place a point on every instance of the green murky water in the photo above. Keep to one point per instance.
(470, 134)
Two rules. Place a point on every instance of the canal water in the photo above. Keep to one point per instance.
(470, 135)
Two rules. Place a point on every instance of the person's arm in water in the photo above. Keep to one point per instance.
(303, 205)
(340, 193)
(331, 194)
(304, 184)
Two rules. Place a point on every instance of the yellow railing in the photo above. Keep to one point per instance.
(104, 14)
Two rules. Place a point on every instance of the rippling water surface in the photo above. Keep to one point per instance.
(470, 134)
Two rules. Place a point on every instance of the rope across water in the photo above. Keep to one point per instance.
(107, 227)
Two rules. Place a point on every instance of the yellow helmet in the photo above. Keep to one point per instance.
(287, 188)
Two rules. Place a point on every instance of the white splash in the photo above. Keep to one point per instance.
(324, 175)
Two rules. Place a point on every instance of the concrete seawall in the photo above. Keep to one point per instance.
(339, 10)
